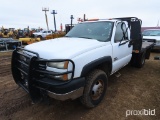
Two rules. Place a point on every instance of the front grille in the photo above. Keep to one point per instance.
(42, 66)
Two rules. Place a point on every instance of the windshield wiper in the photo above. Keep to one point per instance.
(85, 37)
(67, 36)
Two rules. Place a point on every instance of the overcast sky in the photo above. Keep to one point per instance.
(23, 13)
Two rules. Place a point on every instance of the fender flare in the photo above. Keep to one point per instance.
(93, 64)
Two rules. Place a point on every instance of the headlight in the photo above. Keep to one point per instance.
(60, 65)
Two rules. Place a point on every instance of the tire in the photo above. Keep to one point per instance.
(141, 60)
(39, 36)
(95, 88)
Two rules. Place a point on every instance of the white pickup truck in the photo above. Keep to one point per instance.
(152, 34)
(79, 64)
(42, 34)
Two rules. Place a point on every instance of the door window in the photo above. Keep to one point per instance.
(121, 32)
(45, 32)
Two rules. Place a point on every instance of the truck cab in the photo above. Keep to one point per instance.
(79, 64)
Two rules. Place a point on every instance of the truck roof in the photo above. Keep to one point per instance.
(128, 19)
(97, 20)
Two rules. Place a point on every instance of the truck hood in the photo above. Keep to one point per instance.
(64, 48)
(152, 37)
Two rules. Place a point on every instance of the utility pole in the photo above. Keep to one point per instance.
(84, 17)
(71, 20)
(54, 12)
(158, 24)
(45, 10)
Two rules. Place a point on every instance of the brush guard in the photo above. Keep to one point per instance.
(29, 70)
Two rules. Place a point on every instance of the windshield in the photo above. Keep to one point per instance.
(20, 31)
(100, 31)
(151, 33)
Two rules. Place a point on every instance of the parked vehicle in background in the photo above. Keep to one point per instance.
(11, 29)
(9, 44)
(36, 30)
(12, 32)
(152, 34)
(28, 36)
(6, 33)
(42, 34)
(26, 32)
(20, 34)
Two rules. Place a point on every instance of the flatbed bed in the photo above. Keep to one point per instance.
(147, 44)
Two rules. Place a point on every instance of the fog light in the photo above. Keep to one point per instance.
(60, 77)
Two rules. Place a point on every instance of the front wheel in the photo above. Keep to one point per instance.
(39, 36)
(95, 88)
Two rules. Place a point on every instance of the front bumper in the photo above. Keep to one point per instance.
(69, 90)
(30, 73)
(70, 95)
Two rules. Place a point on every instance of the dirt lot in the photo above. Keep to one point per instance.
(135, 89)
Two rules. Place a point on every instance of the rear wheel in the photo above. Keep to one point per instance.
(95, 88)
(141, 60)
(138, 59)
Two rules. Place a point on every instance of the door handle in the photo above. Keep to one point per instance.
(123, 43)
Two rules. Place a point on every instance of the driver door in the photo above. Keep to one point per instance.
(44, 33)
(122, 53)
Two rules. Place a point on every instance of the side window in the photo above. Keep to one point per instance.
(45, 32)
(49, 31)
(121, 32)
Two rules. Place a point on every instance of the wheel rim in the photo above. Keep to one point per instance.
(143, 60)
(97, 90)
